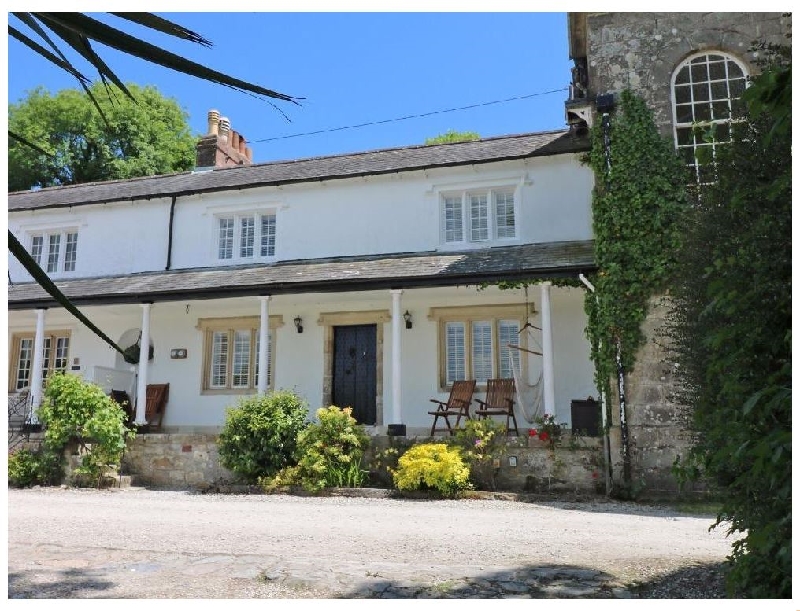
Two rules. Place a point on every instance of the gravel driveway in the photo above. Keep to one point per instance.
(136, 543)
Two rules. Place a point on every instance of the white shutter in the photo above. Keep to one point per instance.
(241, 359)
(219, 359)
(508, 333)
(455, 357)
(482, 366)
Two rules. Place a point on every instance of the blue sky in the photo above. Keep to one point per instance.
(351, 68)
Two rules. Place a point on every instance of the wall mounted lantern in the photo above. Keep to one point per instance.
(298, 323)
(407, 318)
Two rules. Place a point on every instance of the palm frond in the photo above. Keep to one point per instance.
(112, 37)
(28, 143)
(43, 280)
(83, 47)
(60, 61)
(40, 50)
(154, 22)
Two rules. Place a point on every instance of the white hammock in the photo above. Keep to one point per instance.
(529, 396)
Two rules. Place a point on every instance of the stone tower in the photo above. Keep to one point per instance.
(690, 68)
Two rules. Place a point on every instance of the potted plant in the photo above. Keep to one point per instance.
(547, 430)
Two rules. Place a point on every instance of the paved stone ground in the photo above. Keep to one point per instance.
(136, 543)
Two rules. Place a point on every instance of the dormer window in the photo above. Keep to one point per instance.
(480, 215)
(55, 251)
(246, 236)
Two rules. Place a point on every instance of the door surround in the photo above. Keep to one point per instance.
(329, 320)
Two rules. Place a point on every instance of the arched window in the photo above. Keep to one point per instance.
(706, 96)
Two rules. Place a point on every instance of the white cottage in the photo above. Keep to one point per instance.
(355, 279)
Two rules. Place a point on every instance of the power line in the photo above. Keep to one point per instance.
(419, 116)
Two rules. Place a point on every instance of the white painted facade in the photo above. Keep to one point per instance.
(383, 214)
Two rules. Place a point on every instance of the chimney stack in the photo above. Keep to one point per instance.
(222, 146)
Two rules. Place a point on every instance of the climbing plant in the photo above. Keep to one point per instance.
(638, 209)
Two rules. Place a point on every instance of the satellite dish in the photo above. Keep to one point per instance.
(132, 353)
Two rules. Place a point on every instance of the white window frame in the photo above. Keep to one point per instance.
(252, 249)
(682, 128)
(62, 265)
(229, 327)
(468, 228)
(467, 317)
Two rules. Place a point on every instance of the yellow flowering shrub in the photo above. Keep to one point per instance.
(432, 466)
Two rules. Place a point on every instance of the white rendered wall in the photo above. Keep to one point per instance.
(113, 239)
(299, 358)
(394, 213)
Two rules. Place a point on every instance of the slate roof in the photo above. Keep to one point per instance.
(402, 270)
(376, 162)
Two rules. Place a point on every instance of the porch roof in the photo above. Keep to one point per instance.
(341, 274)
(367, 163)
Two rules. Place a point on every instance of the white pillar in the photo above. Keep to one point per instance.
(144, 353)
(263, 345)
(397, 320)
(547, 353)
(38, 362)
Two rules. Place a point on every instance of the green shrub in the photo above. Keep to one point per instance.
(432, 466)
(31, 468)
(331, 453)
(76, 410)
(260, 434)
(482, 442)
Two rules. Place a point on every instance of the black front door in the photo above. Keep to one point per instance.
(354, 369)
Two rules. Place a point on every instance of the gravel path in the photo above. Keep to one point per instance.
(136, 543)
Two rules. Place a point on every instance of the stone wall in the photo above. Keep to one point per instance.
(175, 460)
(192, 462)
(641, 50)
(656, 423)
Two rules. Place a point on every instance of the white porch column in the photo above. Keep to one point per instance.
(547, 353)
(38, 362)
(144, 353)
(263, 345)
(397, 320)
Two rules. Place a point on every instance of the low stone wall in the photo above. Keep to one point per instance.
(191, 461)
(175, 460)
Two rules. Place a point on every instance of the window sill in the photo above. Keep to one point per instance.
(230, 391)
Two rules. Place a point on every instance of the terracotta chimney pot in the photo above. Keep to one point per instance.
(213, 122)
(249, 154)
(242, 143)
(224, 128)
(234, 140)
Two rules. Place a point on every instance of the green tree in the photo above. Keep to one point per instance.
(732, 334)
(132, 138)
(453, 136)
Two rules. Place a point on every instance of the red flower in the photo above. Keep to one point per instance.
(532, 432)
(544, 436)
(595, 475)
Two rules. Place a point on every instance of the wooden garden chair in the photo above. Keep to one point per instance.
(157, 397)
(456, 405)
(121, 398)
(500, 393)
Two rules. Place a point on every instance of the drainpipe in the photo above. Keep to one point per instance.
(605, 104)
(603, 412)
(169, 243)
